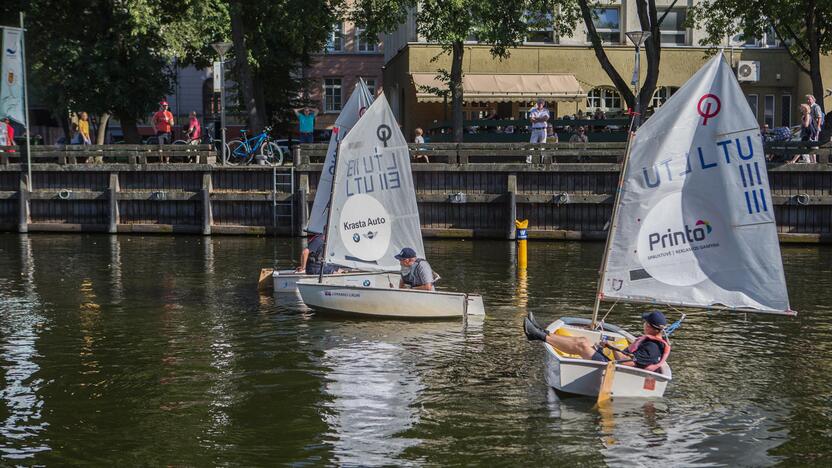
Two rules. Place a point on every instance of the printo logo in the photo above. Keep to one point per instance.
(684, 236)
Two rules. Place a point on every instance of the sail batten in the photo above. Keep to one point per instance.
(695, 222)
(374, 210)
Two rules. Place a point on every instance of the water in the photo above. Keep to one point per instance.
(159, 351)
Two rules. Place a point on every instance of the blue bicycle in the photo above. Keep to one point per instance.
(258, 147)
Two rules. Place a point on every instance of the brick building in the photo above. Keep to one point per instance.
(335, 71)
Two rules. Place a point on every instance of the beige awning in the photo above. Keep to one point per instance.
(504, 87)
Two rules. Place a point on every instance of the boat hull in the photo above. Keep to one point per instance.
(286, 281)
(332, 297)
(583, 377)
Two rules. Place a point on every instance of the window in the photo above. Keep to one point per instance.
(767, 39)
(335, 40)
(540, 27)
(362, 44)
(752, 102)
(768, 110)
(332, 94)
(673, 28)
(661, 95)
(785, 110)
(371, 85)
(606, 99)
(608, 24)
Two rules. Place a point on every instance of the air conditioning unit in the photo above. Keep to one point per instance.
(748, 70)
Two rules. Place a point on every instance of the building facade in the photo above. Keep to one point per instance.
(773, 85)
(335, 71)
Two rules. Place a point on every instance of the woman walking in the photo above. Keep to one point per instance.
(805, 132)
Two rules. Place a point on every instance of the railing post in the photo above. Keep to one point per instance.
(296, 156)
(207, 215)
(113, 191)
(23, 198)
(302, 204)
(511, 192)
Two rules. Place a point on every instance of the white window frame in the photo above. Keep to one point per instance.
(612, 31)
(604, 96)
(769, 113)
(786, 110)
(330, 106)
(756, 107)
(335, 38)
(371, 85)
(364, 47)
(768, 40)
(675, 32)
(661, 95)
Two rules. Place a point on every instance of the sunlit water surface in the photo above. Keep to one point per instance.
(159, 351)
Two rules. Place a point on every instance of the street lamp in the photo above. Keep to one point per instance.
(638, 39)
(222, 48)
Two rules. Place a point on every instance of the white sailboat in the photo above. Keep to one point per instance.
(285, 281)
(692, 226)
(374, 215)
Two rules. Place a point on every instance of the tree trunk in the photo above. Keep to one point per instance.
(622, 86)
(814, 54)
(456, 90)
(244, 76)
(648, 19)
(103, 120)
(130, 130)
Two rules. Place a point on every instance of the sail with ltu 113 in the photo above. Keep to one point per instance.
(695, 223)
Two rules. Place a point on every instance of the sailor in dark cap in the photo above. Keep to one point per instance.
(416, 272)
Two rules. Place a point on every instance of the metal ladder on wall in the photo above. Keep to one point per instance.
(282, 182)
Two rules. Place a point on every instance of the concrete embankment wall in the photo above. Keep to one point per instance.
(470, 191)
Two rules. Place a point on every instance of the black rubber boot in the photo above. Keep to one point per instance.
(535, 322)
(533, 331)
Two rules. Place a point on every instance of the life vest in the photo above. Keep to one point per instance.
(658, 339)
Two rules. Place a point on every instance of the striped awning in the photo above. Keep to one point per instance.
(504, 87)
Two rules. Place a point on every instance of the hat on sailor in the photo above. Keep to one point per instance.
(406, 252)
(655, 318)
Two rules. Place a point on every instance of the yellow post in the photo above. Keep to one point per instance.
(522, 236)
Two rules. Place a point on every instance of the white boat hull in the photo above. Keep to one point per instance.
(583, 377)
(334, 295)
(286, 281)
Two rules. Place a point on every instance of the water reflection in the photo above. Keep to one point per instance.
(20, 327)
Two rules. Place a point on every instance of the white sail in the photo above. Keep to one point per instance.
(695, 225)
(374, 211)
(359, 101)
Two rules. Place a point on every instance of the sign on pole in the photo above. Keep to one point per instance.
(11, 86)
(217, 77)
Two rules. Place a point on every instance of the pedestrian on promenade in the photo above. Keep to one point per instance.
(9, 132)
(419, 139)
(163, 123)
(817, 116)
(580, 136)
(805, 132)
(84, 129)
(194, 130)
(539, 118)
(306, 123)
(4, 135)
(551, 135)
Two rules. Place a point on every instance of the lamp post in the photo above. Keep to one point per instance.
(222, 48)
(638, 39)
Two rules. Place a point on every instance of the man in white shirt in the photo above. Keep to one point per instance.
(539, 117)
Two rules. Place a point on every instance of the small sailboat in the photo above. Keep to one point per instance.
(374, 216)
(692, 226)
(285, 281)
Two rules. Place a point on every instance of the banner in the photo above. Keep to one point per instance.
(11, 86)
(217, 77)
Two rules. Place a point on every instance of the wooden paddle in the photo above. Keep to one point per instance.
(605, 392)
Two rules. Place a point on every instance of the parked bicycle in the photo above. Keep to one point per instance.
(245, 150)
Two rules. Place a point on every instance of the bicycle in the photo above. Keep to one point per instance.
(243, 151)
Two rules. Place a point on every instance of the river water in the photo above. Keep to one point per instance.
(159, 351)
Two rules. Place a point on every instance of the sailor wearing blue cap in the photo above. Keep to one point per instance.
(416, 272)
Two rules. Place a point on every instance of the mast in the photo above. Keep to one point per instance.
(613, 221)
(329, 205)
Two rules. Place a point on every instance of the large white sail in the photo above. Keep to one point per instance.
(374, 211)
(359, 101)
(695, 225)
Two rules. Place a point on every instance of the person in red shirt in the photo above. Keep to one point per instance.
(9, 131)
(194, 130)
(163, 123)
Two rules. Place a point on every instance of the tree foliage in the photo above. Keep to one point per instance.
(804, 26)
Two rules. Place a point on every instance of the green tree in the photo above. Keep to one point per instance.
(803, 25)
(501, 24)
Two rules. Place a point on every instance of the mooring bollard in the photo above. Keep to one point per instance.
(522, 236)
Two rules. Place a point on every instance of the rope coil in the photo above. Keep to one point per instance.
(64, 194)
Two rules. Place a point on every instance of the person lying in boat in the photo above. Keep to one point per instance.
(648, 352)
(416, 272)
(312, 257)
